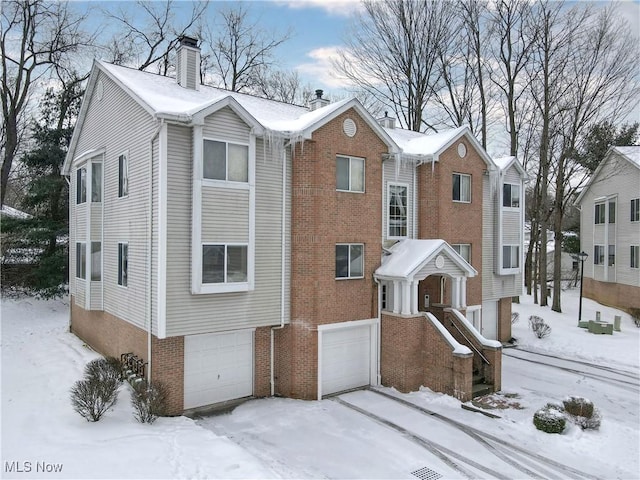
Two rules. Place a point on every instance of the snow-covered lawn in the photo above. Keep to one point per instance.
(335, 438)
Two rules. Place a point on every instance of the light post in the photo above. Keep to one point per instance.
(582, 256)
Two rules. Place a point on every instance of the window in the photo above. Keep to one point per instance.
(510, 256)
(599, 213)
(350, 174)
(96, 261)
(96, 182)
(350, 260)
(225, 161)
(81, 260)
(612, 212)
(635, 256)
(81, 185)
(123, 264)
(123, 176)
(397, 211)
(598, 254)
(511, 195)
(461, 187)
(635, 210)
(612, 255)
(224, 263)
(383, 300)
(464, 250)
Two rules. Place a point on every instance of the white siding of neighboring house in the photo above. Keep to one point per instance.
(189, 314)
(118, 124)
(403, 174)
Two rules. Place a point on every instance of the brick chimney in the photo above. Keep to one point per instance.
(318, 102)
(387, 121)
(188, 63)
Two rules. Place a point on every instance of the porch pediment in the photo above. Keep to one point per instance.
(412, 259)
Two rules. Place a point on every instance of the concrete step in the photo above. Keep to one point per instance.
(479, 389)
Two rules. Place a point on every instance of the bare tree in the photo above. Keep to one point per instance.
(34, 36)
(238, 51)
(282, 85)
(393, 54)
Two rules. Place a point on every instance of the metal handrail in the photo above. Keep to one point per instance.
(470, 343)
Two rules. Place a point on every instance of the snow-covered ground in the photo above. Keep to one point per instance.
(362, 434)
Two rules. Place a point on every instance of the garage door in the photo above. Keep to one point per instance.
(346, 358)
(490, 320)
(217, 367)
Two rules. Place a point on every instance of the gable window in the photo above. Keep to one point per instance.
(510, 256)
(598, 254)
(349, 174)
(612, 212)
(464, 250)
(461, 187)
(349, 260)
(224, 263)
(612, 255)
(635, 256)
(123, 175)
(511, 195)
(635, 210)
(96, 182)
(81, 185)
(397, 211)
(599, 213)
(96, 261)
(123, 263)
(225, 161)
(81, 260)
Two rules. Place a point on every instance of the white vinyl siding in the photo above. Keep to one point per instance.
(403, 175)
(397, 210)
(225, 215)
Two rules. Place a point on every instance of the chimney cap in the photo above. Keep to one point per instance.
(188, 41)
(319, 93)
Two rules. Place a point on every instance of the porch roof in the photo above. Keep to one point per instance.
(409, 258)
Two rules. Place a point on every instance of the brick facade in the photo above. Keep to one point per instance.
(504, 319)
(612, 294)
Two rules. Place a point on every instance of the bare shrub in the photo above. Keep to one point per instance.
(104, 368)
(93, 396)
(582, 412)
(149, 401)
(539, 327)
(515, 316)
(635, 315)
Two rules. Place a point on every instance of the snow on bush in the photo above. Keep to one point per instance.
(149, 401)
(549, 420)
(582, 412)
(539, 327)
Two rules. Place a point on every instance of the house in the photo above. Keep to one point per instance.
(610, 229)
(244, 247)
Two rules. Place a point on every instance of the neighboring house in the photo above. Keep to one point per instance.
(245, 247)
(610, 229)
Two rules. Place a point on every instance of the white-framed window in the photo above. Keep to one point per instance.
(510, 256)
(598, 254)
(123, 175)
(96, 261)
(224, 263)
(349, 174)
(383, 300)
(228, 162)
(599, 213)
(612, 255)
(96, 182)
(635, 210)
(397, 212)
(81, 185)
(612, 211)
(81, 260)
(123, 263)
(349, 260)
(464, 250)
(635, 256)
(461, 187)
(511, 195)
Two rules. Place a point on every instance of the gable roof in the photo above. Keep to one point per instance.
(505, 163)
(629, 153)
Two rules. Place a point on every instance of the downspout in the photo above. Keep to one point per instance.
(379, 330)
(149, 257)
(282, 271)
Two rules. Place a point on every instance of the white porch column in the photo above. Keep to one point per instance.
(415, 302)
(455, 292)
(406, 298)
(463, 292)
(396, 296)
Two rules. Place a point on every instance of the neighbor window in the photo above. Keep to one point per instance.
(511, 195)
(81, 185)
(350, 260)
(81, 260)
(510, 256)
(123, 263)
(635, 256)
(612, 212)
(635, 210)
(225, 161)
(96, 261)
(123, 176)
(96, 182)
(224, 263)
(383, 297)
(612, 255)
(350, 174)
(397, 211)
(599, 213)
(598, 254)
(464, 250)
(461, 187)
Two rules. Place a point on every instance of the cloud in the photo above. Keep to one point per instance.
(333, 7)
(320, 68)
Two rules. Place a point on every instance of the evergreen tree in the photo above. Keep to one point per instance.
(602, 136)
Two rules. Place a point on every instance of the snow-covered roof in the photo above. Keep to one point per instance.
(8, 211)
(407, 256)
(632, 153)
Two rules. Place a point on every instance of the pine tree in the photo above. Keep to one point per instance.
(601, 137)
